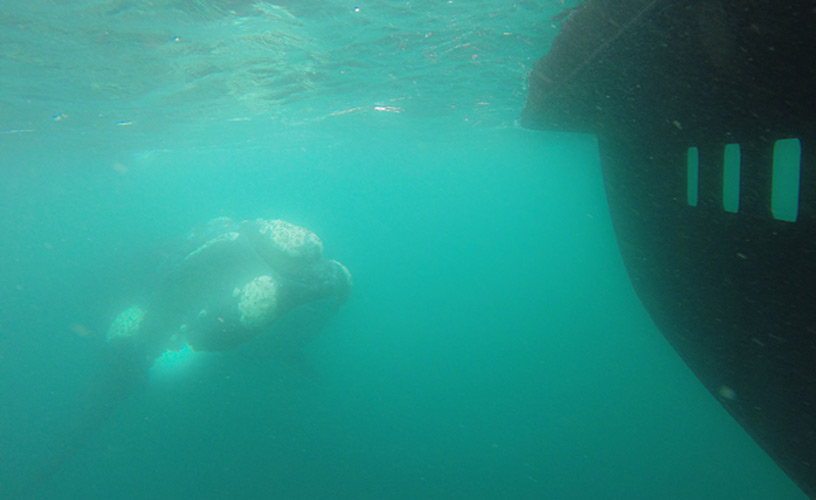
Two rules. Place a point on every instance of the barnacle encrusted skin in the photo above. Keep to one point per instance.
(295, 242)
(126, 325)
(258, 302)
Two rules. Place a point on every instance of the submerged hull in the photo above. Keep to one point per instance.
(715, 219)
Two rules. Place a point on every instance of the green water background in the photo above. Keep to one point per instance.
(493, 346)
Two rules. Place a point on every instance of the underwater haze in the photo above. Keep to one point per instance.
(493, 346)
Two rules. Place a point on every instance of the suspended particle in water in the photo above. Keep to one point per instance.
(727, 393)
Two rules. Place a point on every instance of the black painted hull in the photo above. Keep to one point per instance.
(734, 293)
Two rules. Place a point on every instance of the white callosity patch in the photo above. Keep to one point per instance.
(293, 241)
(127, 324)
(259, 302)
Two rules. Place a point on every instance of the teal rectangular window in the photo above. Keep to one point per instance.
(731, 178)
(692, 176)
(787, 161)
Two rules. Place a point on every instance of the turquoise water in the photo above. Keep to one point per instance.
(493, 346)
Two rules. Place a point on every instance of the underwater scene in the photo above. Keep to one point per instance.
(304, 250)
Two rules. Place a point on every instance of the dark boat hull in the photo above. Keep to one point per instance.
(734, 292)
